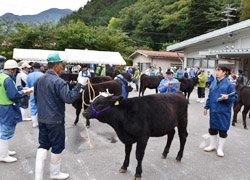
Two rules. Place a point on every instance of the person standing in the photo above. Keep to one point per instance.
(168, 83)
(10, 113)
(136, 77)
(201, 86)
(185, 74)
(103, 72)
(240, 79)
(180, 72)
(175, 75)
(152, 73)
(198, 72)
(21, 80)
(159, 72)
(53, 92)
(191, 72)
(85, 72)
(220, 111)
(31, 79)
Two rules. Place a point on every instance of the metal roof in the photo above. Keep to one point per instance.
(159, 54)
(199, 39)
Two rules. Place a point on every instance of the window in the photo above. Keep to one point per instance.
(211, 63)
(196, 63)
(190, 62)
(204, 63)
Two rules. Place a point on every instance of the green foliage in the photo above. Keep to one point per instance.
(98, 12)
(245, 14)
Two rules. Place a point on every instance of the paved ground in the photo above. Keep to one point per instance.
(105, 159)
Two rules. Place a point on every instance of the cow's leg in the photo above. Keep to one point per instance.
(87, 123)
(140, 149)
(143, 90)
(170, 139)
(156, 90)
(236, 109)
(244, 115)
(78, 111)
(128, 148)
(183, 136)
(188, 96)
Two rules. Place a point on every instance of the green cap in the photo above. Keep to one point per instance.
(54, 57)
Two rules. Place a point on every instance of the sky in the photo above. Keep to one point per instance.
(30, 7)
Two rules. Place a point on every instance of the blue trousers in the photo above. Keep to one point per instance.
(52, 136)
(7, 132)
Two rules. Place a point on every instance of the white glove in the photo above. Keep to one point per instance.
(83, 80)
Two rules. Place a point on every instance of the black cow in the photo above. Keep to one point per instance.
(187, 85)
(243, 99)
(151, 82)
(136, 119)
(114, 87)
(93, 79)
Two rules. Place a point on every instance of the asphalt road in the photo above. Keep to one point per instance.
(105, 159)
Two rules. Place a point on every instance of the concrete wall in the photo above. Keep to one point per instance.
(156, 62)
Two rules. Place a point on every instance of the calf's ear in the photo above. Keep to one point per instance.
(116, 100)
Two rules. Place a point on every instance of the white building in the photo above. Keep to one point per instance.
(229, 46)
(146, 58)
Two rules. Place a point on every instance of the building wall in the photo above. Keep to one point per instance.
(237, 40)
(156, 62)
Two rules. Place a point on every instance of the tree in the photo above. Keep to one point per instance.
(245, 12)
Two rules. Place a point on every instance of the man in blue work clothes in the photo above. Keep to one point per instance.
(168, 83)
(192, 72)
(220, 110)
(31, 79)
(51, 93)
(10, 113)
(84, 72)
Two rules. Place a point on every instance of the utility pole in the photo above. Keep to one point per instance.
(227, 13)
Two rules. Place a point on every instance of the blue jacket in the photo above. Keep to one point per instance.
(162, 87)
(124, 92)
(51, 93)
(180, 73)
(220, 111)
(192, 73)
(11, 114)
(31, 79)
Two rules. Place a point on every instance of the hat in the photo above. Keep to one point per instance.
(54, 57)
(202, 70)
(169, 71)
(25, 65)
(136, 64)
(10, 64)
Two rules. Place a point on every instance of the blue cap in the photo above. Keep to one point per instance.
(54, 57)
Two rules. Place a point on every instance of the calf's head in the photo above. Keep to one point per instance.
(103, 102)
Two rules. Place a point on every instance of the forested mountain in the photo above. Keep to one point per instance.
(156, 22)
(52, 14)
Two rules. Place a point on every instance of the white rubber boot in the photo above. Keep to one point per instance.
(220, 147)
(55, 165)
(4, 157)
(34, 120)
(198, 100)
(25, 114)
(41, 156)
(212, 146)
(11, 153)
(202, 100)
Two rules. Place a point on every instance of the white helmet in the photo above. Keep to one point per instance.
(10, 64)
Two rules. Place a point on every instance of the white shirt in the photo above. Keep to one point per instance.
(21, 76)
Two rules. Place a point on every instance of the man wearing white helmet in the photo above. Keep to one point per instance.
(10, 113)
(21, 80)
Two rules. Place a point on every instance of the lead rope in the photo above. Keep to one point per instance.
(83, 103)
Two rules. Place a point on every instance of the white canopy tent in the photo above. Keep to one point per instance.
(78, 56)
(35, 55)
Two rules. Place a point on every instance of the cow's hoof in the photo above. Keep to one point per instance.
(177, 161)
(137, 178)
(233, 124)
(123, 170)
(163, 156)
(74, 124)
(245, 128)
(88, 126)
